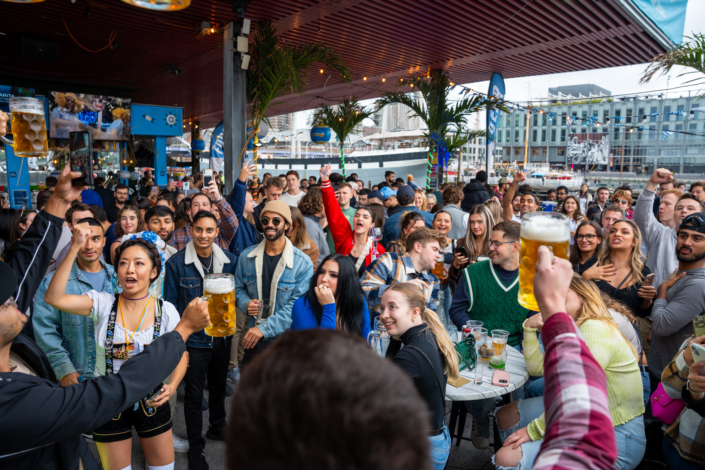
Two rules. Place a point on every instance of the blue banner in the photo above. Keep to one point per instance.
(668, 15)
(496, 90)
(217, 154)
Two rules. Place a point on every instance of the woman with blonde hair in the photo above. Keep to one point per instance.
(298, 235)
(428, 356)
(522, 424)
(420, 200)
(476, 242)
(495, 209)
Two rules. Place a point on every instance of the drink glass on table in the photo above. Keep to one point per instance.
(480, 335)
(498, 360)
(219, 289)
(28, 126)
(550, 229)
(467, 328)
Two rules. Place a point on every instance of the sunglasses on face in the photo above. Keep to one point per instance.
(275, 221)
(621, 201)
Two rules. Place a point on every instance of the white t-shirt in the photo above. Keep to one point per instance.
(292, 200)
(100, 314)
(516, 218)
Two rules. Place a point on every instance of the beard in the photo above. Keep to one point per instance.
(693, 257)
(277, 235)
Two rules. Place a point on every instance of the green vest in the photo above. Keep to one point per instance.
(493, 303)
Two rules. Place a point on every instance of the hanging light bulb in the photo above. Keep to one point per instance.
(384, 79)
(23, 1)
(160, 5)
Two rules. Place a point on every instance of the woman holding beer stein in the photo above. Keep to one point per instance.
(129, 220)
(571, 208)
(624, 274)
(334, 300)
(476, 242)
(522, 423)
(125, 324)
(588, 241)
(357, 243)
(427, 357)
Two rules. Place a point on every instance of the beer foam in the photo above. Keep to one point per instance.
(545, 229)
(218, 286)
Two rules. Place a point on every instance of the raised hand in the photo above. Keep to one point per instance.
(212, 190)
(661, 175)
(80, 236)
(325, 172)
(3, 123)
(325, 295)
(519, 177)
(551, 283)
(248, 169)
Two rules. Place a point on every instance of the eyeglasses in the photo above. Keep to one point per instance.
(9, 302)
(621, 201)
(275, 221)
(589, 237)
(494, 243)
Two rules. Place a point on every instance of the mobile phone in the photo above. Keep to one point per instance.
(699, 325)
(462, 251)
(698, 351)
(80, 157)
(207, 177)
(649, 280)
(500, 378)
(156, 395)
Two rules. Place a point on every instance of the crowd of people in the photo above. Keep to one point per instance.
(328, 253)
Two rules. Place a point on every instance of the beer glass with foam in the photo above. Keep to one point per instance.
(550, 229)
(28, 127)
(219, 289)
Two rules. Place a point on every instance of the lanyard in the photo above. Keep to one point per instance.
(124, 325)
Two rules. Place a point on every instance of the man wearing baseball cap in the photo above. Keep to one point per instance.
(268, 280)
(679, 297)
(41, 422)
(405, 196)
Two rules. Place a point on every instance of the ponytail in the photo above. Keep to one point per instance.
(416, 300)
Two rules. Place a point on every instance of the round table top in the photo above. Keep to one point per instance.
(472, 391)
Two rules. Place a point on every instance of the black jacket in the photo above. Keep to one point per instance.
(41, 422)
(474, 193)
(105, 194)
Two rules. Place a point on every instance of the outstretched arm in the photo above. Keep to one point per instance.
(507, 209)
(56, 295)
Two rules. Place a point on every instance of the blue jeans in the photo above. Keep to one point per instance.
(534, 387)
(440, 449)
(674, 459)
(630, 437)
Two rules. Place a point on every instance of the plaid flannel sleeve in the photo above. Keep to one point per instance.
(180, 238)
(579, 432)
(378, 276)
(228, 223)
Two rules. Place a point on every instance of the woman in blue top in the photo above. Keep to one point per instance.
(334, 300)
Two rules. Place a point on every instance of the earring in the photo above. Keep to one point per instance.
(413, 319)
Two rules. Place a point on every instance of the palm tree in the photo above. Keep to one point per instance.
(342, 119)
(690, 54)
(278, 69)
(440, 115)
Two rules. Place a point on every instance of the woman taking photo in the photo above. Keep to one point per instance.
(622, 199)
(428, 356)
(129, 220)
(584, 197)
(409, 222)
(357, 243)
(124, 325)
(588, 241)
(420, 200)
(335, 299)
(298, 235)
(571, 208)
(620, 270)
(476, 242)
(522, 424)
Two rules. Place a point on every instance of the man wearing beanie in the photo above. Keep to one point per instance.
(268, 280)
(474, 192)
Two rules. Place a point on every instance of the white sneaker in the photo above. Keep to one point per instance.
(180, 444)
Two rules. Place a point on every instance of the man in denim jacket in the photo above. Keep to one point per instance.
(273, 273)
(68, 340)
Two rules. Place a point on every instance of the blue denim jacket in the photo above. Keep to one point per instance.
(183, 282)
(68, 340)
(290, 281)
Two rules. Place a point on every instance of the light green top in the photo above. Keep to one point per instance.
(624, 387)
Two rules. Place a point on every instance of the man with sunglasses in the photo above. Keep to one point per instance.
(41, 422)
(269, 278)
(488, 291)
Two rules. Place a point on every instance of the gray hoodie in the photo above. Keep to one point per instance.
(673, 318)
(660, 240)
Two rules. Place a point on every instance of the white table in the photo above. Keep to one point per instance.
(471, 391)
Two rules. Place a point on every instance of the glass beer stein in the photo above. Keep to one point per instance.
(28, 127)
(219, 290)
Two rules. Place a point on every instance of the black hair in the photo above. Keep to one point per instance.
(144, 204)
(98, 181)
(146, 246)
(364, 191)
(204, 195)
(348, 294)
(7, 224)
(158, 211)
(93, 222)
(98, 213)
(387, 173)
(564, 188)
(121, 186)
(183, 211)
(551, 191)
(203, 215)
(43, 199)
(51, 181)
(335, 178)
(167, 196)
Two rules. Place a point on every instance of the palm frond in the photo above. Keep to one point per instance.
(343, 118)
(690, 54)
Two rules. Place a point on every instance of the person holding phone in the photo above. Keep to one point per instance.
(124, 325)
(475, 243)
(683, 378)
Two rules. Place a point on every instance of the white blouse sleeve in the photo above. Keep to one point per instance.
(170, 317)
(102, 304)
